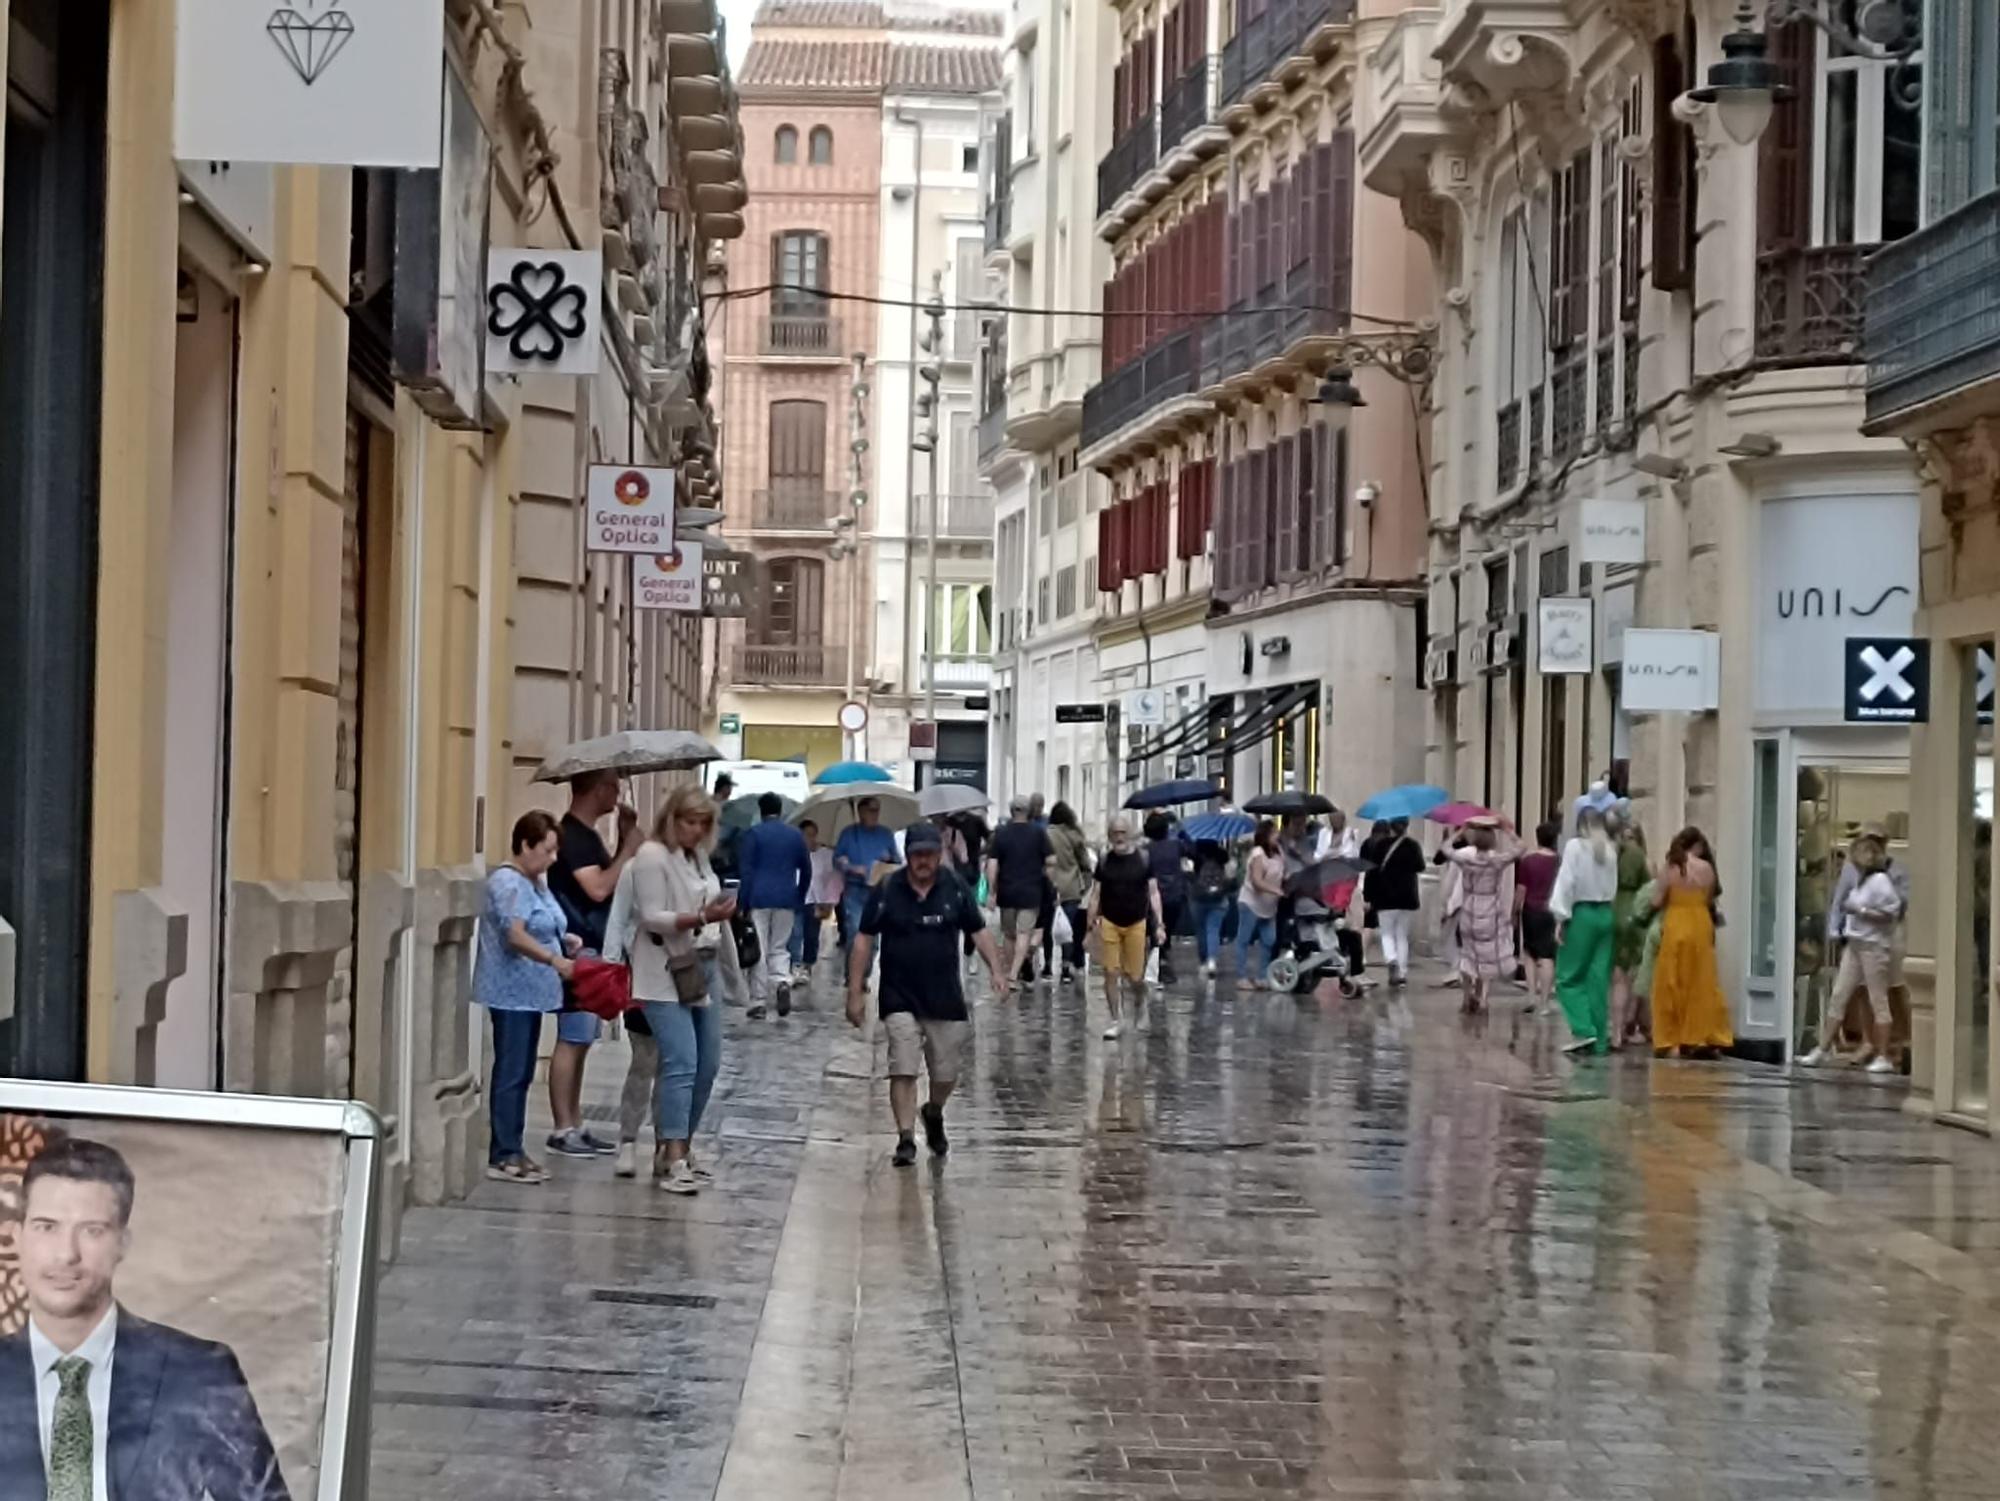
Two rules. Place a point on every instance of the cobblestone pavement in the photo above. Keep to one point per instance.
(1265, 1248)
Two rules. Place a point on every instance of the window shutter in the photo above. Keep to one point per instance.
(1226, 530)
(1951, 78)
(1337, 188)
(1107, 563)
(1305, 507)
(1784, 156)
(1673, 155)
(1284, 515)
(1337, 479)
(1255, 514)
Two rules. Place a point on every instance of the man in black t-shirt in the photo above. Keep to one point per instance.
(583, 880)
(1122, 897)
(917, 915)
(1018, 866)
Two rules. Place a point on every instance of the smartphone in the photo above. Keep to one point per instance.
(730, 888)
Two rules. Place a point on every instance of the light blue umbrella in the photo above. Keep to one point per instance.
(1403, 802)
(1218, 828)
(842, 773)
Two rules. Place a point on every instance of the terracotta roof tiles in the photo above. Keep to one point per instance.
(943, 70)
(786, 63)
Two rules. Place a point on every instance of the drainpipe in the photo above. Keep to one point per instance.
(909, 453)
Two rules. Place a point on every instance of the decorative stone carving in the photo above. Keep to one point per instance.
(285, 938)
(149, 945)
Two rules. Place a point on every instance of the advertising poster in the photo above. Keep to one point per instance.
(668, 580)
(199, 1266)
(631, 509)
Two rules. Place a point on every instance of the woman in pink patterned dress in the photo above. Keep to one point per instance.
(1486, 908)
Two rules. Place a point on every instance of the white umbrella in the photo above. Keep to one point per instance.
(629, 752)
(942, 799)
(832, 808)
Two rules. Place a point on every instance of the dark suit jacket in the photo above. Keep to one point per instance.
(183, 1422)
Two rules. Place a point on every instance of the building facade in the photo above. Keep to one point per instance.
(275, 643)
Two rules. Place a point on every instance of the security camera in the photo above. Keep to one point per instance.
(1367, 493)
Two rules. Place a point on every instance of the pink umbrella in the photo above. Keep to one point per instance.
(1451, 815)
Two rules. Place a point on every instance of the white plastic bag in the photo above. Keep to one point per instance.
(1060, 930)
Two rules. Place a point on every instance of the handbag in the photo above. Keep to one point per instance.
(690, 978)
(601, 988)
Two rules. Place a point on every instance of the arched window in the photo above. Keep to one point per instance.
(819, 146)
(787, 151)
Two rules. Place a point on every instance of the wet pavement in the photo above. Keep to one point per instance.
(1265, 1248)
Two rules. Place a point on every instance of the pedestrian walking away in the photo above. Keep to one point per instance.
(584, 878)
(1071, 873)
(681, 966)
(1019, 863)
(1123, 899)
(916, 917)
(1581, 902)
(1534, 884)
(777, 880)
(1865, 922)
(1485, 915)
(862, 854)
(524, 957)
(1257, 917)
(1167, 858)
(826, 889)
(1690, 1012)
(1211, 891)
(1394, 890)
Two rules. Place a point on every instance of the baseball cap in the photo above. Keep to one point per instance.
(922, 836)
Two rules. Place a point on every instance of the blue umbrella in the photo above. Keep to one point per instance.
(1218, 828)
(1173, 794)
(1403, 802)
(841, 773)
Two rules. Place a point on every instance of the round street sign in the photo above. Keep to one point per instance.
(853, 717)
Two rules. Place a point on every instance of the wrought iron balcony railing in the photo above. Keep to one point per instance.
(1932, 327)
(794, 508)
(1170, 369)
(1191, 102)
(812, 663)
(810, 335)
(1809, 305)
(1268, 39)
(1135, 154)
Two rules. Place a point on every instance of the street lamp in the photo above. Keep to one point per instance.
(1338, 397)
(1746, 84)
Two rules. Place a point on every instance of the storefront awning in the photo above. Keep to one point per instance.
(1192, 733)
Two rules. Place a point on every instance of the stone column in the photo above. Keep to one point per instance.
(285, 938)
(447, 1054)
(149, 943)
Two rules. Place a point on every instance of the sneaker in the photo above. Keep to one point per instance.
(1112, 1032)
(1817, 1058)
(598, 1144)
(784, 1000)
(680, 1179)
(627, 1165)
(1881, 1063)
(703, 1174)
(570, 1144)
(1208, 969)
(519, 1170)
(934, 1130)
(1579, 1044)
(906, 1152)
(755, 1013)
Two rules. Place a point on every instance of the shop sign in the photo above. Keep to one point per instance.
(1888, 680)
(1146, 707)
(438, 342)
(631, 509)
(1671, 672)
(1080, 714)
(729, 582)
(1564, 638)
(668, 581)
(732, 724)
(542, 310)
(923, 740)
(1829, 567)
(1611, 532)
(336, 83)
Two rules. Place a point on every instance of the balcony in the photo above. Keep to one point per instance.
(1508, 51)
(1809, 305)
(993, 430)
(793, 664)
(1169, 370)
(965, 518)
(807, 336)
(794, 509)
(1285, 30)
(1933, 316)
(1191, 102)
(1135, 154)
(1402, 116)
(957, 673)
(997, 217)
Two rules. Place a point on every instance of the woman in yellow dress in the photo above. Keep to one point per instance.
(1689, 1012)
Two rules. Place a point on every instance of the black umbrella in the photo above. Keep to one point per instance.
(1284, 804)
(1173, 794)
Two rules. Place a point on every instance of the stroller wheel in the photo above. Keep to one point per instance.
(1283, 973)
(1348, 989)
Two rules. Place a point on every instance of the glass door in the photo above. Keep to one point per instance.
(1973, 1013)
(1769, 960)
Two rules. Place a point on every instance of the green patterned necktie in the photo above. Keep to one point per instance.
(71, 1440)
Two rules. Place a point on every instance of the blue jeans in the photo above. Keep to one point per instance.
(1251, 930)
(517, 1038)
(1208, 925)
(690, 1039)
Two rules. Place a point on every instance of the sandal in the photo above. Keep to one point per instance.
(516, 1170)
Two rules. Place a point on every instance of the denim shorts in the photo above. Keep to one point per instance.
(580, 1027)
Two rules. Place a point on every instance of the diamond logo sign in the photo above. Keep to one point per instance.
(311, 39)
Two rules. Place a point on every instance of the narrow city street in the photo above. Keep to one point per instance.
(1360, 1249)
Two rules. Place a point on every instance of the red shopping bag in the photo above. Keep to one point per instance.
(601, 988)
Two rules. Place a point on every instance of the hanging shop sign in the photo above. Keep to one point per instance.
(729, 582)
(1671, 672)
(1611, 531)
(1564, 641)
(670, 580)
(439, 340)
(336, 83)
(242, 1359)
(1888, 680)
(923, 740)
(630, 509)
(542, 311)
(1146, 707)
(1829, 567)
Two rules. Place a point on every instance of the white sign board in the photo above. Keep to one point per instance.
(1146, 707)
(542, 311)
(630, 509)
(1620, 608)
(668, 581)
(1564, 639)
(1829, 567)
(1611, 531)
(1671, 672)
(341, 83)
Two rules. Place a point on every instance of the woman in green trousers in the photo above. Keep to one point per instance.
(1586, 888)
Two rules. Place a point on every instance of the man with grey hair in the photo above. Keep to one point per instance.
(1122, 898)
(1018, 866)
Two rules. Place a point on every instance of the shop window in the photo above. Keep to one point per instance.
(1765, 806)
(1869, 144)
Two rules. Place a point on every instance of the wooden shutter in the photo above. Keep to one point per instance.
(798, 446)
(1107, 560)
(1785, 155)
(1673, 166)
(1254, 513)
(1285, 560)
(1305, 508)
(1337, 201)
(1952, 113)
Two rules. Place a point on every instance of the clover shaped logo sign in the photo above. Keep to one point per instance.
(538, 310)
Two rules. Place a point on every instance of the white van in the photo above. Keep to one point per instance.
(786, 778)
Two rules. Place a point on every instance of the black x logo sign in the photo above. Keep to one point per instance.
(538, 310)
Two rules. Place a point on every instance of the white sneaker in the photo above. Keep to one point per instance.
(1815, 1059)
(627, 1165)
(1111, 1032)
(680, 1179)
(1881, 1063)
(1208, 969)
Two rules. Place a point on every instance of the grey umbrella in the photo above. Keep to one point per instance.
(630, 752)
(942, 799)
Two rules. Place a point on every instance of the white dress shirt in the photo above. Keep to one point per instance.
(99, 1349)
(1583, 878)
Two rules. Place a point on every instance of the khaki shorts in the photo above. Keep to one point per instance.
(1015, 920)
(937, 1045)
(1124, 949)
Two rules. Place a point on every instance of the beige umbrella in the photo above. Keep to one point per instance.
(630, 753)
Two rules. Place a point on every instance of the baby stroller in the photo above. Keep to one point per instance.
(1321, 947)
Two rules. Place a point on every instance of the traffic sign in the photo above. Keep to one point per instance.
(854, 717)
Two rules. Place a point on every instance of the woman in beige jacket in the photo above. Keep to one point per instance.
(680, 912)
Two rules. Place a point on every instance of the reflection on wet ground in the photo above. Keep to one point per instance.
(1338, 1249)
